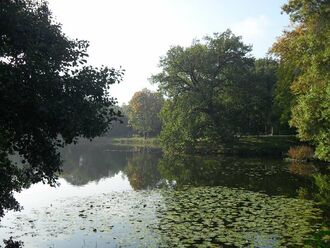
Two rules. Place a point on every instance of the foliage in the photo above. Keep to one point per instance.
(321, 194)
(122, 128)
(320, 239)
(305, 54)
(215, 90)
(10, 243)
(265, 118)
(143, 110)
(49, 95)
(322, 183)
(179, 129)
(301, 152)
(284, 98)
(302, 169)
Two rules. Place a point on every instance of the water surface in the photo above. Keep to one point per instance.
(117, 196)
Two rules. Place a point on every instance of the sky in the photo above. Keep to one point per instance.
(134, 34)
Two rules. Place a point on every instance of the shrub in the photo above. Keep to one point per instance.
(301, 153)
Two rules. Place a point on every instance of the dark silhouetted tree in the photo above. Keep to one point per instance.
(49, 96)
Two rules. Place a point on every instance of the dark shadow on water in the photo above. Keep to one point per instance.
(147, 168)
(267, 175)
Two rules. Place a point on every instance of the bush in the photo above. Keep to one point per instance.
(301, 153)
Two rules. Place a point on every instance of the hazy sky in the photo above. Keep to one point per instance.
(135, 33)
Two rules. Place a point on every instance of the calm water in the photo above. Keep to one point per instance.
(116, 196)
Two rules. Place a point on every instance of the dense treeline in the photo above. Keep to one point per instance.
(216, 91)
(304, 85)
(140, 116)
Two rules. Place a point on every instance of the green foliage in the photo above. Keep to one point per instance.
(215, 91)
(266, 113)
(305, 53)
(320, 239)
(143, 112)
(322, 183)
(207, 85)
(284, 98)
(180, 127)
(266, 78)
(122, 128)
(48, 95)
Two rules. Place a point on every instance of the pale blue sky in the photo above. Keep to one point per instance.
(135, 33)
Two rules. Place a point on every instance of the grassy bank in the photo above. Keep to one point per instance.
(136, 141)
(277, 145)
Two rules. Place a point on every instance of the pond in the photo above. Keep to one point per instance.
(117, 196)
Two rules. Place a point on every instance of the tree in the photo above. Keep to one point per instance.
(49, 96)
(143, 112)
(270, 98)
(208, 86)
(305, 52)
(122, 128)
(261, 102)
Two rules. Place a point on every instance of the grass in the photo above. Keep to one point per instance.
(137, 141)
(277, 145)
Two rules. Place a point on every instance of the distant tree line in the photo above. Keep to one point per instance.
(141, 116)
(212, 92)
(215, 91)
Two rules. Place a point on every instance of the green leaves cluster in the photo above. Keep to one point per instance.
(305, 55)
(143, 112)
(48, 95)
(215, 90)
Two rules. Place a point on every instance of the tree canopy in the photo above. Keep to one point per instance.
(49, 96)
(143, 112)
(305, 58)
(216, 91)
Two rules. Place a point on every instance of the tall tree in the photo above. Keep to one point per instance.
(208, 86)
(305, 52)
(143, 112)
(270, 99)
(48, 96)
